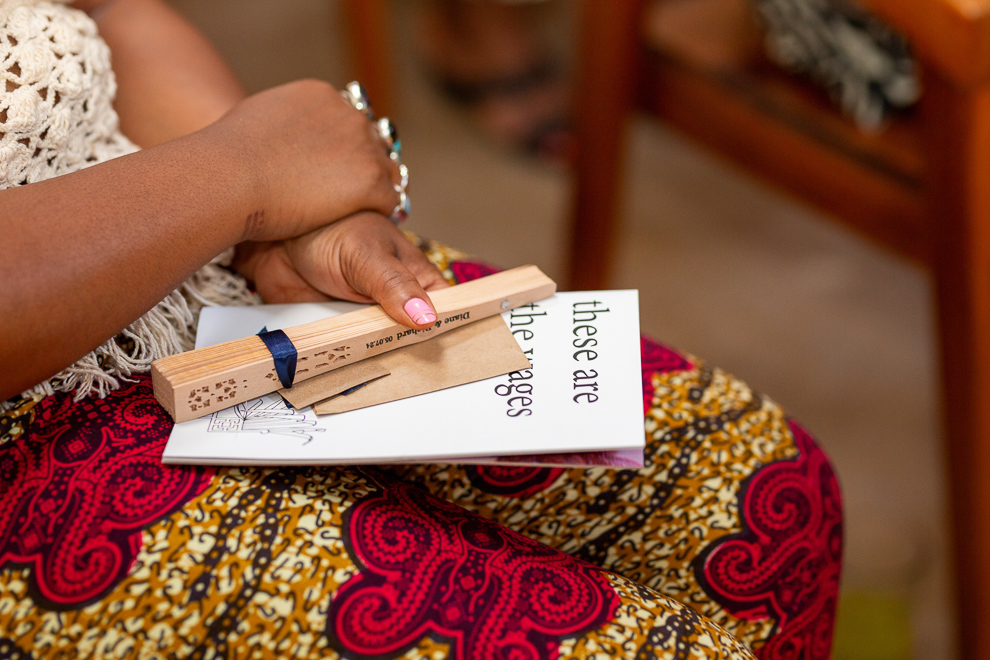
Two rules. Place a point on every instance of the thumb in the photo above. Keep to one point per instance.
(393, 286)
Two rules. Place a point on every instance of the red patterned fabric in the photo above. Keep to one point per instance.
(511, 480)
(75, 494)
(465, 271)
(658, 359)
(785, 563)
(430, 567)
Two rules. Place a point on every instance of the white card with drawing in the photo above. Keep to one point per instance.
(583, 394)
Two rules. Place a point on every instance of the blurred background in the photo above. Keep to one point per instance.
(836, 329)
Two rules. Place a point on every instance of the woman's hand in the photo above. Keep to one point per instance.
(363, 258)
(218, 170)
(279, 165)
(314, 159)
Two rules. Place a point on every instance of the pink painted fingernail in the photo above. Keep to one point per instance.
(419, 311)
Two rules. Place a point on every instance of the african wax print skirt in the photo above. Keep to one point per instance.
(726, 545)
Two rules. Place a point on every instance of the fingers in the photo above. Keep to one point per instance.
(380, 173)
(392, 285)
(397, 275)
(365, 258)
(390, 176)
(269, 267)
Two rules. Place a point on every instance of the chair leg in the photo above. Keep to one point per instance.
(959, 150)
(370, 48)
(607, 77)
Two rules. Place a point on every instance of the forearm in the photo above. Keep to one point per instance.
(87, 253)
(170, 80)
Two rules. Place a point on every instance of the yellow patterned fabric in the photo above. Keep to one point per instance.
(727, 544)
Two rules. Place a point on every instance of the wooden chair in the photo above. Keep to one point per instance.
(922, 187)
(370, 48)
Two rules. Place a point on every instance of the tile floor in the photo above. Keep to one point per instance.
(836, 330)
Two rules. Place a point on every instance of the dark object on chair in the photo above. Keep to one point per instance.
(866, 67)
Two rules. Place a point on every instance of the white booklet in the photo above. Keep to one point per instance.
(582, 395)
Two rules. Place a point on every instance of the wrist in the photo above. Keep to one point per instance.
(246, 177)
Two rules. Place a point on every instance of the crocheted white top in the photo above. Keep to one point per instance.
(56, 117)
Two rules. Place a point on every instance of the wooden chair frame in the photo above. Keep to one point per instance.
(943, 219)
(944, 222)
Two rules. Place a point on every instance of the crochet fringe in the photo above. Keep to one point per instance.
(167, 329)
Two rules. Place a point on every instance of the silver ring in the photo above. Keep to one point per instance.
(401, 210)
(355, 94)
(388, 134)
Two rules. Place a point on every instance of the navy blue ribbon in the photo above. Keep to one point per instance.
(284, 352)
